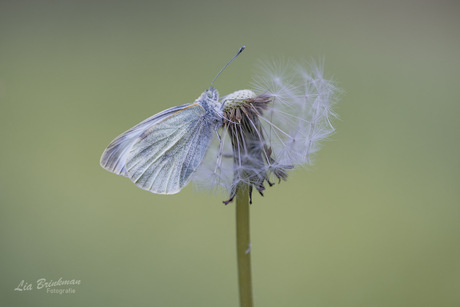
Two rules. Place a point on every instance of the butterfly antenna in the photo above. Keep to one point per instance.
(237, 54)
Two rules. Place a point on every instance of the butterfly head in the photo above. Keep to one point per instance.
(211, 94)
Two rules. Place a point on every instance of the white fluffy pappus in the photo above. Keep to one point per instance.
(272, 128)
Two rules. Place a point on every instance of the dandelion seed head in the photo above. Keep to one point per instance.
(236, 99)
(271, 128)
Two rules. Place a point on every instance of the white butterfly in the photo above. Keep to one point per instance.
(161, 153)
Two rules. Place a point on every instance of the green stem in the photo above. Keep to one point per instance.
(243, 245)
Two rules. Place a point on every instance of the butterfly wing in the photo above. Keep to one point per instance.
(164, 156)
(114, 157)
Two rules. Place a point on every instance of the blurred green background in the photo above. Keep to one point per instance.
(375, 222)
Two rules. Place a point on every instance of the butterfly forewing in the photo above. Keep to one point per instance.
(163, 157)
(114, 157)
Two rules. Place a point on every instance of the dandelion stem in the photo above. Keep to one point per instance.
(243, 246)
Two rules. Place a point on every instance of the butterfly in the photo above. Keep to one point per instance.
(161, 153)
